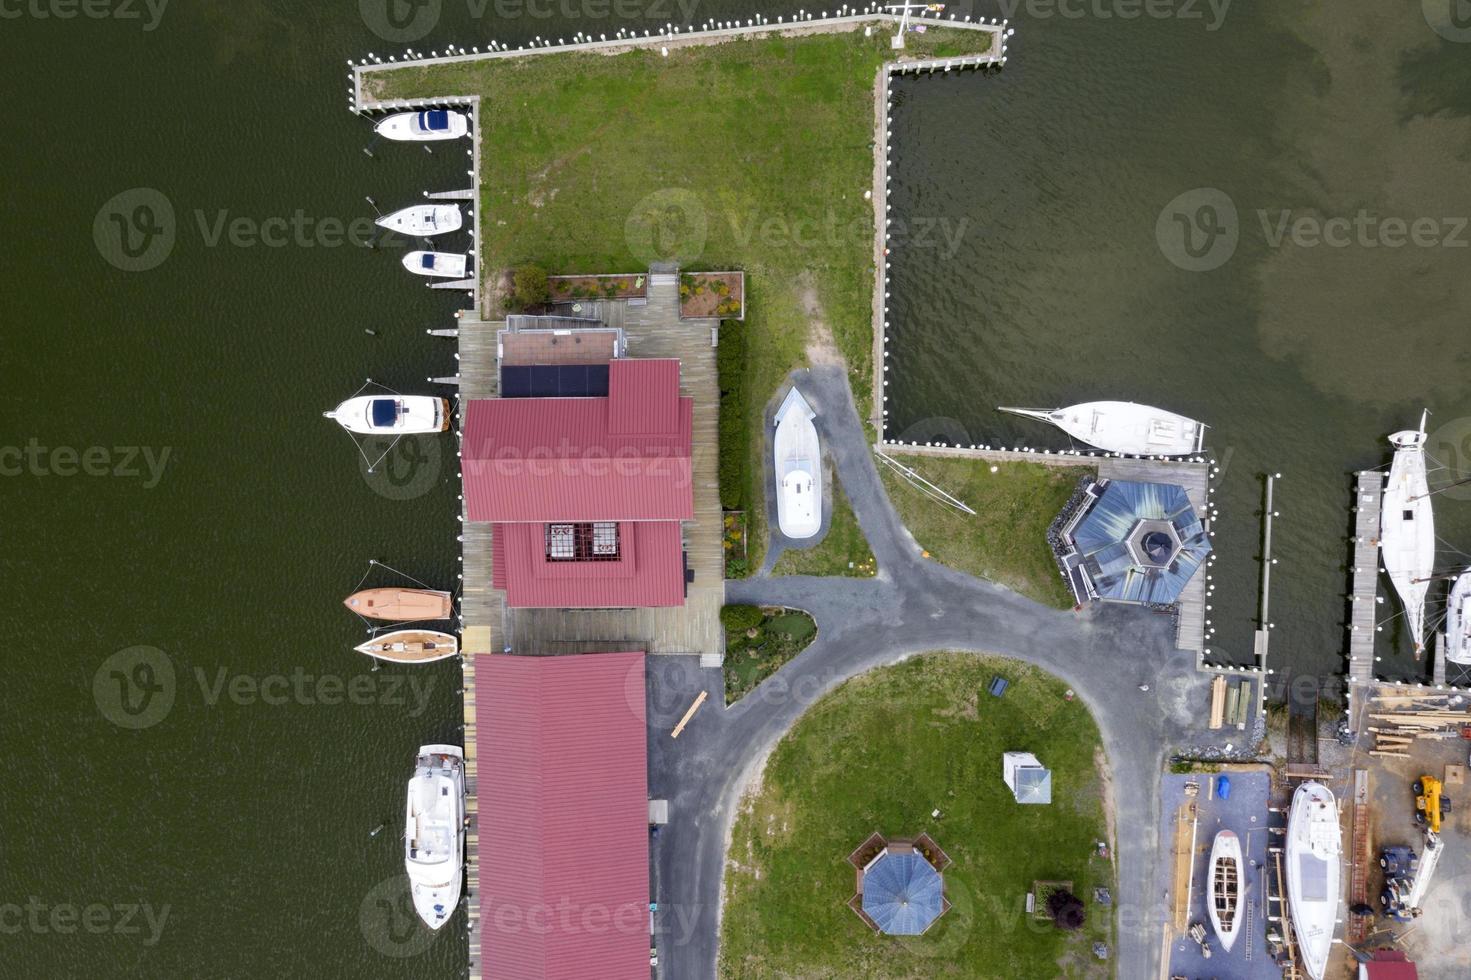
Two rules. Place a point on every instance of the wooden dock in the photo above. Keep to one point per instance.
(1364, 599)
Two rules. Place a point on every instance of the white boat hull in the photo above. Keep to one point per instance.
(390, 414)
(443, 265)
(1407, 530)
(798, 459)
(424, 220)
(1458, 620)
(411, 646)
(1314, 882)
(426, 126)
(1124, 427)
(1226, 884)
(434, 832)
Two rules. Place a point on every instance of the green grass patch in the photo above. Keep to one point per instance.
(758, 641)
(1006, 539)
(844, 551)
(881, 753)
(752, 155)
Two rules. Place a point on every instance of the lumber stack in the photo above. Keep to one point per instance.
(1399, 720)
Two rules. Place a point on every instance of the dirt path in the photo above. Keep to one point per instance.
(822, 349)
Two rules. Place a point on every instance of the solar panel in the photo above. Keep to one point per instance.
(554, 381)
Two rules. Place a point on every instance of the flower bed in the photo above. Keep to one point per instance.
(567, 289)
(712, 294)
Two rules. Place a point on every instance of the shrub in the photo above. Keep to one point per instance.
(730, 363)
(739, 619)
(529, 286)
(1066, 909)
(737, 568)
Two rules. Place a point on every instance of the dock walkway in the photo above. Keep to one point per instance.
(1364, 599)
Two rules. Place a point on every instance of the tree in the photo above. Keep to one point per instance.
(1066, 909)
(529, 286)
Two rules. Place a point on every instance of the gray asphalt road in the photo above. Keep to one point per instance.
(912, 606)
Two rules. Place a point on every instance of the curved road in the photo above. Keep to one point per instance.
(913, 605)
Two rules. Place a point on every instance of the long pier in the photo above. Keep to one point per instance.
(1364, 599)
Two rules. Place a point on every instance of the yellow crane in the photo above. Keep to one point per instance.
(1430, 805)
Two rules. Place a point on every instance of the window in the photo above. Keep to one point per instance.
(583, 541)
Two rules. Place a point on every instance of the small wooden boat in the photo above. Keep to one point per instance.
(400, 604)
(1226, 886)
(411, 646)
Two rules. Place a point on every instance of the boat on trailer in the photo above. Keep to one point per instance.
(434, 832)
(798, 458)
(1407, 529)
(1227, 884)
(411, 646)
(1124, 427)
(1458, 620)
(392, 414)
(424, 220)
(400, 604)
(445, 265)
(1314, 851)
(424, 126)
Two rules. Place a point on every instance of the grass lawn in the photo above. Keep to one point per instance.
(750, 155)
(844, 551)
(1006, 540)
(879, 754)
(780, 634)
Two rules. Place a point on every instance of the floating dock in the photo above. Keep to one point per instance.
(1364, 599)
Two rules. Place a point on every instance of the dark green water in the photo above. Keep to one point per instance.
(244, 827)
(1302, 357)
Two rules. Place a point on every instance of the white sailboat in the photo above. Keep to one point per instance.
(1458, 620)
(434, 832)
(798, 469)
(1314, 850)
(445, 265)
(1227, 886)
(1407, 529)
(392, 414)
(423, 127)
(1124, 427)
(424, 220)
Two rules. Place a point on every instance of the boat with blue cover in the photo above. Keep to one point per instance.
(446, 265)
(392, 414)
(424, 126)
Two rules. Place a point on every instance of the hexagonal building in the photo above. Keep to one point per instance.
(901, 885)
(1125, 541)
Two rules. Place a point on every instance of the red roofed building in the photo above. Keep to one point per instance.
(586, 493)
(563, 812)
(1388, 964)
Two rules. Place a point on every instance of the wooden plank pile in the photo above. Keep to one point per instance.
(1402, 719)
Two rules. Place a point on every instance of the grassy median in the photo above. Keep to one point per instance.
(880, 754)
(751, 154)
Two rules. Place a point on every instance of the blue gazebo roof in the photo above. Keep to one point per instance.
(1141, 542)
(902, 893)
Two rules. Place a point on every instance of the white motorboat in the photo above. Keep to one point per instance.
(423, 127)
(1458, 620)
(1124, 427)
(446, 265)
(424, 220)
(1407, 529)
(1314, 851)
(391, 414)
(798, 469)
(1227, 886)
(434, 832)
(411, 646)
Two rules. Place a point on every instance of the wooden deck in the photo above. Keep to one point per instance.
(1364, 599)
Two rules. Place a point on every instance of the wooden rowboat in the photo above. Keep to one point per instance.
(411, 646)
(400, 605)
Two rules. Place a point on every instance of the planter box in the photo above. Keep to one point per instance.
(712, 295)
(571, 289)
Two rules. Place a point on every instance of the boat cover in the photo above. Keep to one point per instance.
(435, 120)
(427, 261)
(385, 411)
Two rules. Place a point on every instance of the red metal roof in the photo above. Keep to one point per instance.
(648, 572)
(1389, 964)
(564, 826)
(643, 396)
(558, 459)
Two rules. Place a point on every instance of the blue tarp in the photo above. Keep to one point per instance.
(435, 120)
(385, 412)
(1223, 787)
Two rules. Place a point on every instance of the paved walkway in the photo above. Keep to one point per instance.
(913, 605)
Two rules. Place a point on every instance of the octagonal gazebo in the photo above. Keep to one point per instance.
(901, 887)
